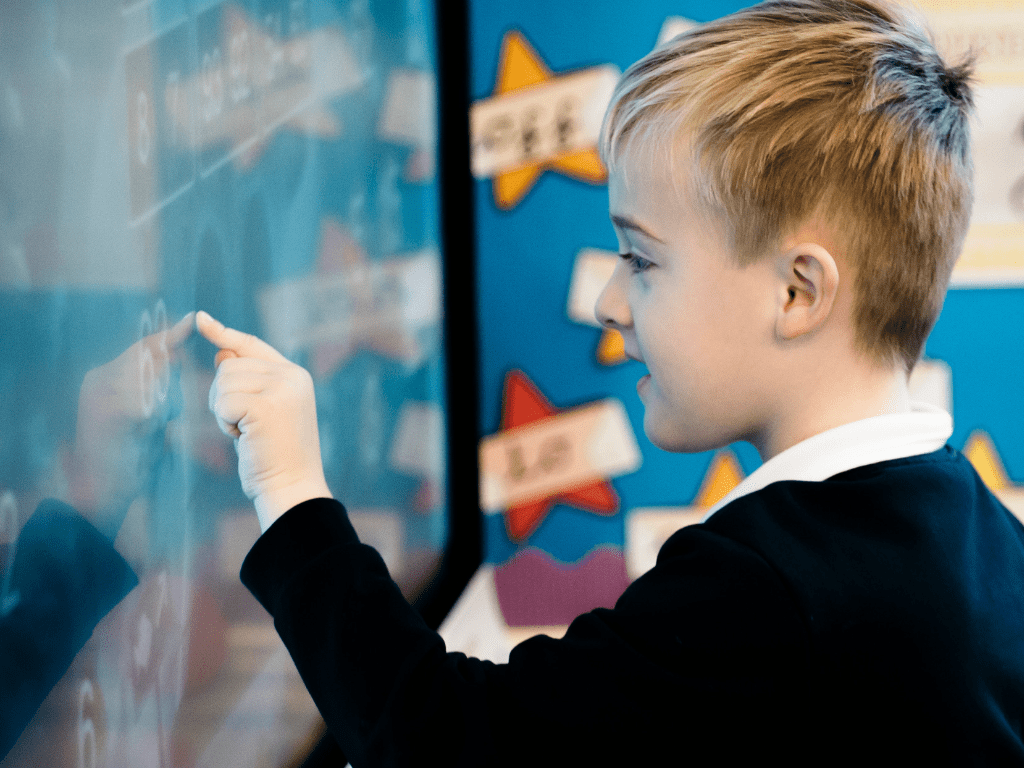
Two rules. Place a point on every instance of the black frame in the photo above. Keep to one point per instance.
(464, 550)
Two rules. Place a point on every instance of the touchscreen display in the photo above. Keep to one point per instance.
(272, 162)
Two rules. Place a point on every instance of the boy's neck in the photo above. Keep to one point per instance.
(832, 399)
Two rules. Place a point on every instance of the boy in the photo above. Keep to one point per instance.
(790, 187)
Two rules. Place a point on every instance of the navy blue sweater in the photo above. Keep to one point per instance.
(873, 618)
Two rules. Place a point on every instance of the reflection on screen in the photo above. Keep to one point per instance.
(271, 162)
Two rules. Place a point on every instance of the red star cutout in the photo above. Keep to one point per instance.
(524, 404)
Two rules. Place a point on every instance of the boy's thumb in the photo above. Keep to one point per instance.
(223, 355)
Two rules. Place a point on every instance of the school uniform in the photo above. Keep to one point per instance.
(859, 599)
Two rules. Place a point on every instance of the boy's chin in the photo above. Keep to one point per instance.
(676, 439)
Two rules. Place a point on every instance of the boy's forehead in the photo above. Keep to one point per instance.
(660, 199)
(665, 164)
(645, 182)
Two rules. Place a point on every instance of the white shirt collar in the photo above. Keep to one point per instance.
(923, 429)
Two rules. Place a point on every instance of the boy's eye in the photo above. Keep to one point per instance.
(637, 263)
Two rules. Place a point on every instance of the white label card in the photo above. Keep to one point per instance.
(648, 529)
(674, 25)
(571, 449)
(475, 625)
(932, 382)
(541, 122)
(590, 274)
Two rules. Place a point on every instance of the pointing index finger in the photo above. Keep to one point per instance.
(233, 341)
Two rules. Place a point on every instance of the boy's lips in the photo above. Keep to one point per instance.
(644, 380)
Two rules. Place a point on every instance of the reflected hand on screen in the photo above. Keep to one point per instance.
(267, 404)
(117, 420)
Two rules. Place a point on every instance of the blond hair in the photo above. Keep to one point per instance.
(836, 109)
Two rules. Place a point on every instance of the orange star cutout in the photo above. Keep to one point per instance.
(524, 404)
(611, 349)
(722, 476)
(981, 452)
(521, 67)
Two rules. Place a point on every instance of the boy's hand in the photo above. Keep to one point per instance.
(266, 403)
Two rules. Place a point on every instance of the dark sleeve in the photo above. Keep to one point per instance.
(64, 579)
(699, 647)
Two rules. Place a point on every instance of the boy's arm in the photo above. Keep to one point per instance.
(704, 645)
(704, 654)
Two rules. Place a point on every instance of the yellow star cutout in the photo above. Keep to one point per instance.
(722, 476)
(521, 67)
(981, 452)
(611, 349)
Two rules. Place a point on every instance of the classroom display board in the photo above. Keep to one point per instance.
(577, 500)
(275, 163)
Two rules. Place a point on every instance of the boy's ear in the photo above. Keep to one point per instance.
(810, 284)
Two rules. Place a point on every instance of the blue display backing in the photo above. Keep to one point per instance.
(525, 261)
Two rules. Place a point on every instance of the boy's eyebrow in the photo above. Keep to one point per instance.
(627, 223)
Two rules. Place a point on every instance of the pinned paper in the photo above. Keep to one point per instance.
(675, 25)
(545, 456)
(538, 120)
(590, 274)
(475, 626)
(993, 30)
(932, 383)
(648, 528)
(562, 452)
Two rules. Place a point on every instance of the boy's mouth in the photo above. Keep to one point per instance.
(644, 380)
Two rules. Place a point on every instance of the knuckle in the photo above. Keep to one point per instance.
(229, 364)
(298, 378)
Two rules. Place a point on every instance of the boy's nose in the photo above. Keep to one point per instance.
(612, 308)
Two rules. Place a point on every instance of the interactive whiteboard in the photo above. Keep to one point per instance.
(273, 162)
